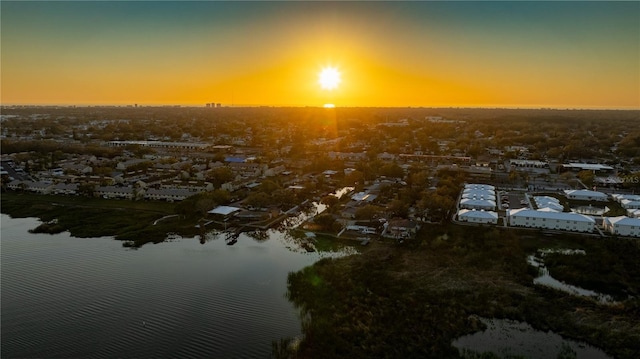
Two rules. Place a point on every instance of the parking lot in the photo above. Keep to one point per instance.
(512, 200)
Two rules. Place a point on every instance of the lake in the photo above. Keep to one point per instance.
(91, 297)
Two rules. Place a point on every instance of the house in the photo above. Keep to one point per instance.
(361, 229)
(474, 216)
(401, 228)
(564, 221)
(622, 225)
(246, 169)
(363, 197)
(274, 171)
(585, 195)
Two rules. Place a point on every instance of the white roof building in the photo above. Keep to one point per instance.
(114, 192)
(485, 204)
(478, 186)
(585, 195)
(224, 210)
(548, 202)
(474, 216)
(548, 209)
(565, 221)
(588, 166)
(620, 197)
(473, 194)
(623, 226)
(634, 213)
(169, 194)
(630, 204)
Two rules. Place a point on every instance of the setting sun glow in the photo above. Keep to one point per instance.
(329, 78)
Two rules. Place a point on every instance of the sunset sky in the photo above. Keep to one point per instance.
(480, 54)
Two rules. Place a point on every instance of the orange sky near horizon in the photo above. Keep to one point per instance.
(388, 54)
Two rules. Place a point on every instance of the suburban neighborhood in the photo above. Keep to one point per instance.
(393, 169)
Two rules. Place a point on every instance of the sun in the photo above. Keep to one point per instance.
(329, 78)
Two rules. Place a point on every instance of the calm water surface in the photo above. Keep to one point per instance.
(73, 297)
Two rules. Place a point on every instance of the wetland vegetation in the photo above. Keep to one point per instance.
(84, 217)
(414, 299)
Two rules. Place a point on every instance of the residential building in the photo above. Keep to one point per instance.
(169, 194)
(114, 192)
(65, 188)
(548, 202)
(474, 216)
(586, 195)
(479, 194)
(622, 225)
(564, 221)
(481, 204)
(401, 228)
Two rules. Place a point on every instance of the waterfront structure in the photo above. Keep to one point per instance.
(225, 212)
(474, 216)
(622, 225)
(564, 221)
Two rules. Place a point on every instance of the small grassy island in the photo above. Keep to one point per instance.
(128, 221)
(412, 300)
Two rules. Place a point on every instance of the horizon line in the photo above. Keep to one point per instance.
(239, 106)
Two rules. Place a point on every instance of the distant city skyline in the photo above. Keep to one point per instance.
(389, 54)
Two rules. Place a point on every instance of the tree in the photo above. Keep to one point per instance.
(398, 208)
(587, 177)
(367, 212)
(330, 200)
(325, 221)
(258, 199)
(86, 189)
(219, 176)
(392, 170)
